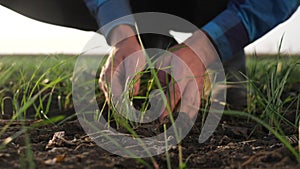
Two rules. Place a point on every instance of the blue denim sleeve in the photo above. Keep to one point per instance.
(110, 13)
(244, 21)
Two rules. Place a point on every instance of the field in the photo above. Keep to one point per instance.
(36, 104)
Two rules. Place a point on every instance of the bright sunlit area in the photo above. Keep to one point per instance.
(22, 35)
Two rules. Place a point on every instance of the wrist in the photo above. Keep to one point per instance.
(119, 33)
(201, 44)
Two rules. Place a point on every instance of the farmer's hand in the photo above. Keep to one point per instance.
(115, 72)
(194, 52)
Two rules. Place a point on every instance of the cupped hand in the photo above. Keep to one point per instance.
(124, 61)
(187, 66)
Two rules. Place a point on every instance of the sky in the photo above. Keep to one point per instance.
(22, 35)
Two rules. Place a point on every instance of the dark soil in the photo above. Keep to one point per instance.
(231, 146)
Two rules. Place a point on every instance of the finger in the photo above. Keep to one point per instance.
(134, 64)
(191, 98)
(109, 71)
(113, 87)
(136, 87)
(112, 65)
(163, 77)
(173, 97)
(134, 79)
(167, 67)
(117, 81)
(164, 69)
